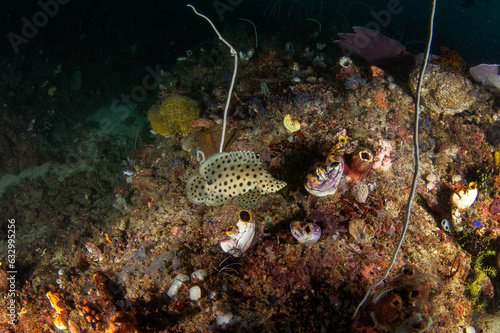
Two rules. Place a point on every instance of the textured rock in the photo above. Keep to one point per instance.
(443, 92)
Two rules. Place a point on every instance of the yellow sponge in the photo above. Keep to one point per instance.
(174, 115)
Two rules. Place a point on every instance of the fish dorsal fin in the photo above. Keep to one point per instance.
(221, 162)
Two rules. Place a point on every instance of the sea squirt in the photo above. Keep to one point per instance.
(240, 237)
(305, 233)
(326, 180)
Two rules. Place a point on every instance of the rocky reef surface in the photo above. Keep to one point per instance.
(119, 247)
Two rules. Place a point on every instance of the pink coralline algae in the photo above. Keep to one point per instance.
(382, 159)
(495, 206)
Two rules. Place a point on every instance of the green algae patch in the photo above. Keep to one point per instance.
(174, 115)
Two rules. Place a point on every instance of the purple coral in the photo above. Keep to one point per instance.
(377, 49)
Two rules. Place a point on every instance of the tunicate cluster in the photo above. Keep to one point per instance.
(240, 236)
(176, 284)
(222, 313)
(325, 180)
(461, 200)
(181, 279)
(446, 225)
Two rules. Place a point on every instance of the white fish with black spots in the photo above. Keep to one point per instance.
(225, 176)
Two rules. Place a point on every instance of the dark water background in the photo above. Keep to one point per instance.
(112, 42)
(468, 26)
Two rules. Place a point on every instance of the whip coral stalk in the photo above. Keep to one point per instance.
(235, 55)
(416, 165)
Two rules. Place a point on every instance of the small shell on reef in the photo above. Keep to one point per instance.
(198, 275)
(431, 178)
(95, 252)
(361, 231)
(239, 237)
(465, 198)
(203, 123)
(305, 233)
(194, 293)
(290, 124)
(73, 327)
(176, 284)
(360, 192)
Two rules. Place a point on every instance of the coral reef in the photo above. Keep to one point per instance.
(174, 115)
(111, 230)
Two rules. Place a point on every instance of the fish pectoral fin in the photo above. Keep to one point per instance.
(250, 199)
